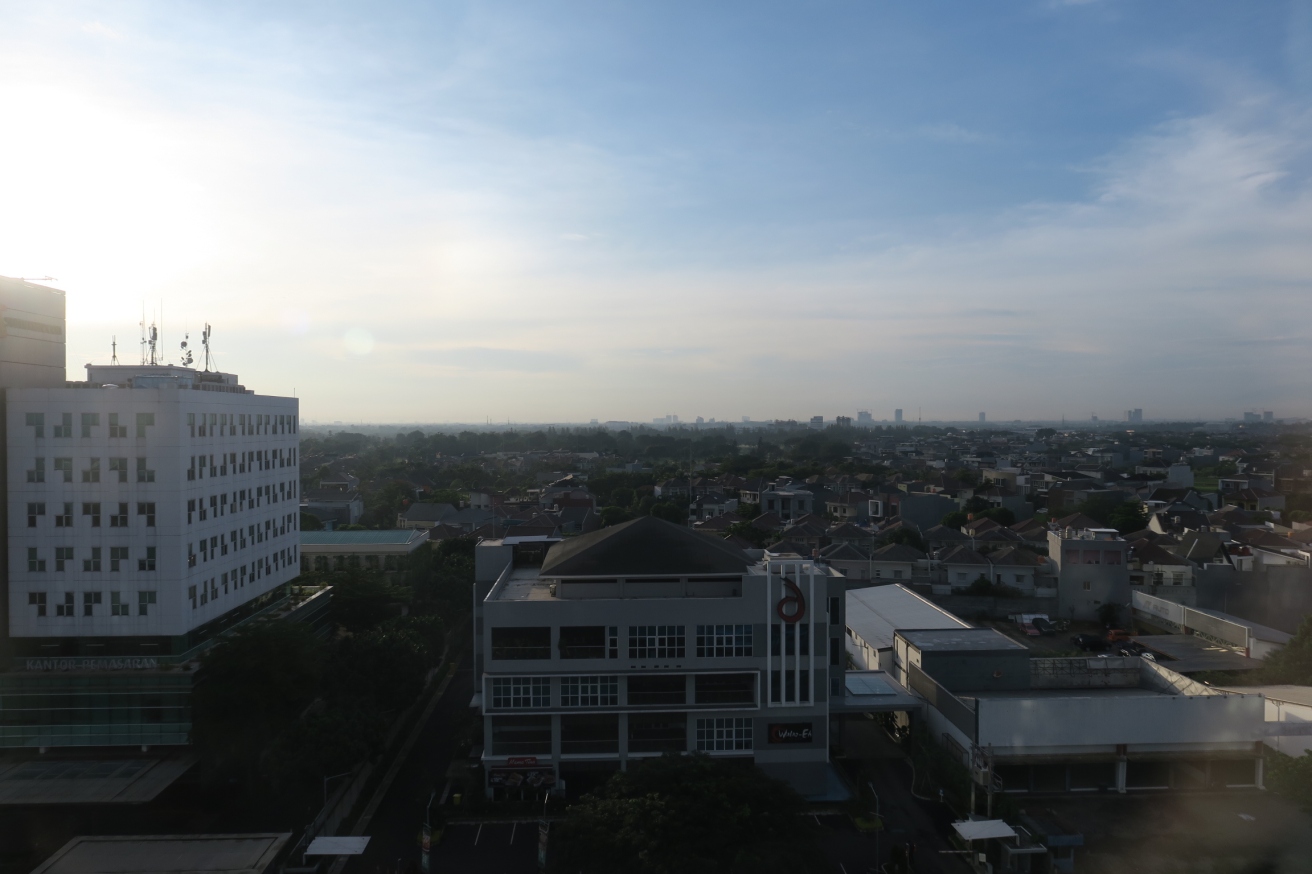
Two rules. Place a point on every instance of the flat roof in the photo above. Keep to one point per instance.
(1190, 653)
(961, 640)
(524, 584)
(401, 536)
(1095, 692)
(875, 613)
(166, 854)
(1301, 695)
(122, 780)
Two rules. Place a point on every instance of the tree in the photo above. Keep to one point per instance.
(670, 512)
(362, 599)
(1128, 516)
(615, 515)
(689, 814)
(908, 536)
(250, 688)
(1109, 615)
(758, 537)
(310, 522)
(1045, 433)
(955, 519)
(1002, 515)
(1292, 663)
(747, 511)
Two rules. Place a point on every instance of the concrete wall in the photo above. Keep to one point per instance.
(1067, 724)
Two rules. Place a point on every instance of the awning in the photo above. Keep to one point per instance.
(983, 829)
(344, 846)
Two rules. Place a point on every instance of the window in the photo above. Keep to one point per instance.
(89, 421)
(521, 643)
(144, 421)
(117, 606)
(34, 510)
(191, 556)
(583, 642)
(92, 564)
(724, 641)
(65, 518)
(66, 606)
(144, 600)
(835, 610)
(147, 510)
(144, 475)
(589, 691)
(65, 466)
(38, 472)
(117, 554)
(897, 575)
(1087, 586)
(63, 555)
(1177, 578)
(590, 733)
(658, 732)
(1112, 557)
(961, 577)
(656, 642)
(835, 651)
(89, 602)
(93, 512)
(37, 422)
(724, 688)
(115, 429)
(723, 735)
(191, 508)
(191, 593)
(657, 689)
(521, 735)
(521, 692)
(120, 518)
(92, 472)
(37, 600)
(120, 467)
(65, 426)
(147, 563)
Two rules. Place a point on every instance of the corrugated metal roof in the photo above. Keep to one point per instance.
(875, 613)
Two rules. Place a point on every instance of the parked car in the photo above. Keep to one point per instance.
(1089, 642)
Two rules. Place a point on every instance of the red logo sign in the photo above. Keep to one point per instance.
(791, 607)
(521, 761)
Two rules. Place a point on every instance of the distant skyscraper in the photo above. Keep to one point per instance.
(843, 421)
(817, 421)
(864, 418)
(1252, 417)
(1268, 416)
(981, 417)
(897, 415)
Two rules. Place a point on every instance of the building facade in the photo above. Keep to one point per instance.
(646, 638)
(143, 506)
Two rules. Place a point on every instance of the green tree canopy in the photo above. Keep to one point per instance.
(670, 512)
(687, 815)
(362, 599)
(1291, 663)
(250, 688)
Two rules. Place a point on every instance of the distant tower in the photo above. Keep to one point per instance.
(897, 415)
(981, 418)
(1268, 416)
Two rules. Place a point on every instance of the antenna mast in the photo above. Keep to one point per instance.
(205, 341)
(114, 346)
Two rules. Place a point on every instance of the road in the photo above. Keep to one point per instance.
(926, 824)
(394, 831)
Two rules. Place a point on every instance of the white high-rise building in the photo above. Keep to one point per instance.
(147, 507)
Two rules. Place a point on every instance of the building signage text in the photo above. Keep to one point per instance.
(791, 733)
(91, 664)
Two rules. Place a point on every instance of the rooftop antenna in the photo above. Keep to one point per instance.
(113, 360)
(152, 342)
(186, 353)
(142, 325)
(205, 341)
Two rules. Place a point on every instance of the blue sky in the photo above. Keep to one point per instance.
(563, 211)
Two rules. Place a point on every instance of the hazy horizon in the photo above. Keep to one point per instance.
(456, 211)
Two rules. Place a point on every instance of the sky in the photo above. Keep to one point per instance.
(560, 211)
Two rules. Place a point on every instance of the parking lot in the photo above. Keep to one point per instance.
(487, 848)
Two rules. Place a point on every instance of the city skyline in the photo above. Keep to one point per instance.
(542, 216)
